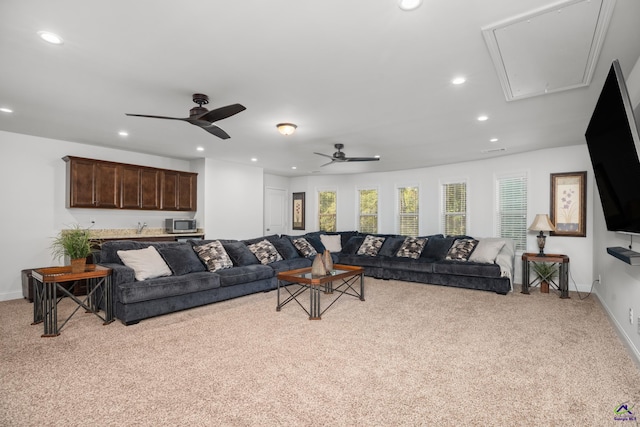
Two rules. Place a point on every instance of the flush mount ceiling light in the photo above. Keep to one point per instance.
(50, 37)
(458, 80)
(286, 128)
(409, 4)
(483, 118)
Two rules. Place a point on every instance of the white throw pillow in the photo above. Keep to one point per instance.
(331, 242)
(487, 250)
(146, 263)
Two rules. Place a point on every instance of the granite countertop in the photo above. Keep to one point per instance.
(125, 233)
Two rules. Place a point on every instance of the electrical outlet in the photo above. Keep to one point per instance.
(600, 279)
(631, 316)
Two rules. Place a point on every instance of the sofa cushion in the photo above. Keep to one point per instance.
(487, 250)
(332, 242)
(390, 246)
(290, 264)
(265, 252)
(270, 238)
(412, 247)
(352, 245)
(362, 260)
(245, 274)
(146, 263)
(181, 258)
(214, 256)
(461, 249)
(304, 247)
(437, 248)
(163, 287)
(286, 248)
(458, 268)
(316, 243)
(240, 254)
(371, 245)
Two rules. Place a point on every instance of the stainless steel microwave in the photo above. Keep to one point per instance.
(180, 225)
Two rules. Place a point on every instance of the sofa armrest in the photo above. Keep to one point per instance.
(120, 274)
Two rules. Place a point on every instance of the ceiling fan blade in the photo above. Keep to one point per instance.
(215, 130)
(361, 159)
(327, 163)
(324, 155)
(157, 117)
(222, 113)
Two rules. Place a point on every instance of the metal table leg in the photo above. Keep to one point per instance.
(314, 303)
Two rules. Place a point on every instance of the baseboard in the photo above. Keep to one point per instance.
(633, 350)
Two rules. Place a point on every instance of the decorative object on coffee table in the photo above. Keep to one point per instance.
(317, 268)
(74, 243)
(328, 262)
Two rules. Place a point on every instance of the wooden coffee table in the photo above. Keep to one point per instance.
(345, 275)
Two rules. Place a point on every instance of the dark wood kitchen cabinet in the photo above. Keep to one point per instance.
(140, 188)
(111, 185)
(92, 184)
(179, 191)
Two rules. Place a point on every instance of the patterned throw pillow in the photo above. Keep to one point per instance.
(371, 245)
(412, 247)
(461, 249)
(214, 256)
(304, 247)
(265, 252)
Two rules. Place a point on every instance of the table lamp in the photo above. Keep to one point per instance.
(542, 223)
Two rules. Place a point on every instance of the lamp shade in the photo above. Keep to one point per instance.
(542, 223)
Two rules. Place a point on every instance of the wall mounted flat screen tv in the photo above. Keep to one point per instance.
(612, 138)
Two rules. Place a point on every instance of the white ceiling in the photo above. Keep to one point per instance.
(359, 72)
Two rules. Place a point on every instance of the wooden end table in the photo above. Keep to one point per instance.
(561, 260)
(46, 284)
(348, 275)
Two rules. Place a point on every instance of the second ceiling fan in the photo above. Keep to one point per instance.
(340, 156)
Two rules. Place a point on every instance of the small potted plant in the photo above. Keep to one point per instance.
(546, 271)
(74, 243)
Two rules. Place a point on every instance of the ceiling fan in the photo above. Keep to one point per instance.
(339, 156)
(204, 118)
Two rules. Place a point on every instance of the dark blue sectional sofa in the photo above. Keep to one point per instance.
(191, 284)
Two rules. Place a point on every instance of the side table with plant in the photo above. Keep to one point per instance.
(74, 243)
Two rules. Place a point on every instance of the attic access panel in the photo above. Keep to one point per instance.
(551, 49)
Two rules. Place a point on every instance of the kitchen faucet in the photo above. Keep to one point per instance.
(141, 227)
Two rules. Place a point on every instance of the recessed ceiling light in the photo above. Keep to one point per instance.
(409, 4)
(458, 80)
(493, 140)
(200, 148)
(253, 159)
(294, 167)
(377, 156)
(50, 37)
(6, 110)
(123, 133)
(483, 118)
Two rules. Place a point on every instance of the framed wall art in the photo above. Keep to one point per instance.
(298, 211)
(568, 204)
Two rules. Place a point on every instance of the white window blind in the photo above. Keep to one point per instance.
(368, 211)
(454, 208)
(408, 211)
(511, 209)
(327, 208)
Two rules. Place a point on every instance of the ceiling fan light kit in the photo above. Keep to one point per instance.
(203, 118)
(286, 128)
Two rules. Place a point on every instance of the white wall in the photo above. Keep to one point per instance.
(33, 196)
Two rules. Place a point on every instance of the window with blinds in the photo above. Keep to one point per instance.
(327, 209)
(408, 218)
(368, 211)
(454, 208)
(511, 209)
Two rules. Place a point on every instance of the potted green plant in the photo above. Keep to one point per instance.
(74, 243)
(546, 271)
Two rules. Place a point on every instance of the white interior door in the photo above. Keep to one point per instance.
(275, 208)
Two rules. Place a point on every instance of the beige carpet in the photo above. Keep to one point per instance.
(411, 354)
